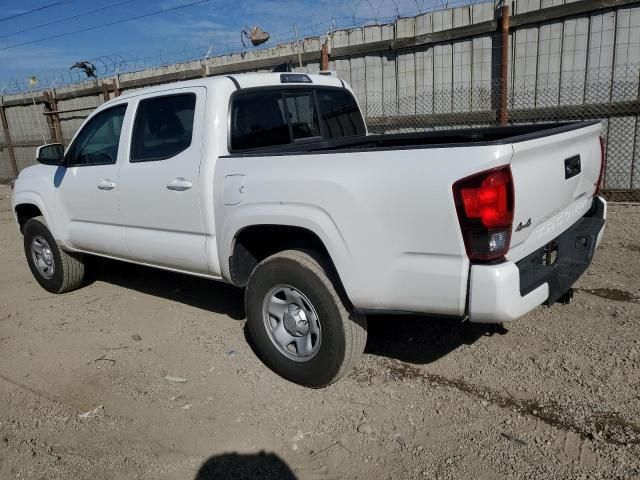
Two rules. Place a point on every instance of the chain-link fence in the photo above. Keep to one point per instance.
(612, 99)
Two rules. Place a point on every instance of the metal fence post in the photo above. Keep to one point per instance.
(51, 114)
(116, 85)
(105, 91)
(7, 136)
(56, 117)
(503, 114)
(324, 56)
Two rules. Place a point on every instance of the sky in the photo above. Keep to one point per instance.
(181, 33)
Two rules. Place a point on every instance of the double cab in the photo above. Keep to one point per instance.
(271, 182)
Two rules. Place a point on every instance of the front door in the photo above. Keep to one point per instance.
(86, 188)
(159, 187)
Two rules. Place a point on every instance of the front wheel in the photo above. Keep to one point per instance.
(55, 270)
(298, 321)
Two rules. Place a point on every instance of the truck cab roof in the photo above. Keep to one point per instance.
(244, 80)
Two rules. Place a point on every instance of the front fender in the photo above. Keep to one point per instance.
(30, 197)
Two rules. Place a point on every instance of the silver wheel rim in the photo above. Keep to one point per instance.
(292, 323)
(42, 256)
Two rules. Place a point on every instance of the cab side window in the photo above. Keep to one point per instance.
(97, 143)
(163, 127)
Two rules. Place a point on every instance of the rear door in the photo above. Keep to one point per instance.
(554, 179)
(159, 186)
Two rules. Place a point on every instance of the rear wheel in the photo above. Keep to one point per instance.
(298, 321)
(55, 270)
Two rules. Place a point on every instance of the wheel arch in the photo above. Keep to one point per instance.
(25, 212)
(255, 242)
(27, 205)
(311, 225)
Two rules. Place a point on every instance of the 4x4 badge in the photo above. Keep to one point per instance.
(522, 226)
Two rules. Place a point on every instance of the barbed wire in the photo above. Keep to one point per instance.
(363, 13)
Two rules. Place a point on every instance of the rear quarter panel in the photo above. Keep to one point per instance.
(386, 217)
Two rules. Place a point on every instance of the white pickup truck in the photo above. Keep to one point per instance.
(271, 182)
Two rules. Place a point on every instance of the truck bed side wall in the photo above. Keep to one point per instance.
(387, 218)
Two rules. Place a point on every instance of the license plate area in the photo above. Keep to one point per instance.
(550, 254)
(561, 262)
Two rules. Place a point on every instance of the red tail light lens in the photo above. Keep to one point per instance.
(602, 162)
(484, 203)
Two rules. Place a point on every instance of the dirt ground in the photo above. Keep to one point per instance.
(553, 395)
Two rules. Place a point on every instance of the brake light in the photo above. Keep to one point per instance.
(602, 162)
(484, 203)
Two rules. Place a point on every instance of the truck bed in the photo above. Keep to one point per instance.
(431, 139)
(392, 196)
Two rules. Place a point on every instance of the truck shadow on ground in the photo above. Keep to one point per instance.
(197, 292)
(423, 339)
(235, 466)
(410, 338)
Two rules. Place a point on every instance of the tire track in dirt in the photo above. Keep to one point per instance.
(38, 393)
(607, 427)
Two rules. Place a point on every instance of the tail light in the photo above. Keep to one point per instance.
(602, 162)
(484, 203)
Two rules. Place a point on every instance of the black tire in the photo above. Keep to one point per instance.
(344, 334)
(68, 269)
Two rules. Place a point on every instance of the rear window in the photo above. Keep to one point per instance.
(302, 115)
(258, 120)
(340, 114)
(269, 118)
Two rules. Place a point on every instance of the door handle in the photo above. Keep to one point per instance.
(179, 184)
(106, 184)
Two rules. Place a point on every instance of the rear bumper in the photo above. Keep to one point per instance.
(507, 291)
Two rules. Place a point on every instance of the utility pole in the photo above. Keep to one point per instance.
(324, 55)
(34, 81)
(503, 114)
(295, 29)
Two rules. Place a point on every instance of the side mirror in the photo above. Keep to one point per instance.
(50, 154)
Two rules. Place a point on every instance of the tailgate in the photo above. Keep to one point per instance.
(554, 178)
